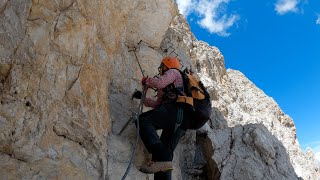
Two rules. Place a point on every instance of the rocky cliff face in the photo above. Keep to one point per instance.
(68, 68)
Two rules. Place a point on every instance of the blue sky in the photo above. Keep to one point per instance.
(276, 44)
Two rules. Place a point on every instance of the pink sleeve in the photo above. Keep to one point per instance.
(161, 82)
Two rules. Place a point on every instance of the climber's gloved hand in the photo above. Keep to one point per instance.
(137, 94)
(144, 80)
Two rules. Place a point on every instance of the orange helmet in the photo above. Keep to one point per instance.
(171, 62)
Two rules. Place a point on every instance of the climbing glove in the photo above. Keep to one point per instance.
(137, 94)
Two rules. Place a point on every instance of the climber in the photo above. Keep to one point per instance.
(174, 117)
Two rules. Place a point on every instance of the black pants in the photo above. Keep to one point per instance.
(174, 119)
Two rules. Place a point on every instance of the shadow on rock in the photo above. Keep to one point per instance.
(240, 152)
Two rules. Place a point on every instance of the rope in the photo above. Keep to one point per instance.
(135, 54)
(144, 92)
(138, 130)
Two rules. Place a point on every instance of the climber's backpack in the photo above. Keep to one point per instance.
(197, 96)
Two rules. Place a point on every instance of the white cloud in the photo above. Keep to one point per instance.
(318, 20)
(185, 6)
(211, 14)
(285, 6)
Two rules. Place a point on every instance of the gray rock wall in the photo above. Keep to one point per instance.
(59, 61)
(68, 69)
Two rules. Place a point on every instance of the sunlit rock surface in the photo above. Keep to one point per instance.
(67, 72)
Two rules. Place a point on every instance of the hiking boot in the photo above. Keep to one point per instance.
(153, 167)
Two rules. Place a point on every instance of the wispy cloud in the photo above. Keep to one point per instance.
(211, 13)
(285, 6)
(318, 20)
(185, 6)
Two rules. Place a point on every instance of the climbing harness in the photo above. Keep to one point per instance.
(179, 118)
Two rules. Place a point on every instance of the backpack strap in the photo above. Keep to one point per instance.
(205, 92)
(186, 87)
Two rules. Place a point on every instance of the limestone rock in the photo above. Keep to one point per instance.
(247, 152)
(57, 62)
(67, 72)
